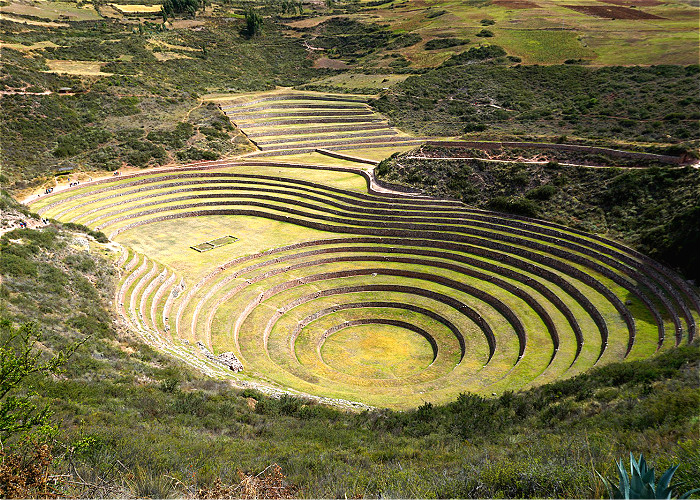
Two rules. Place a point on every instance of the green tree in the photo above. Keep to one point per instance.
(253, 22)
(19, 361)
(171, 8)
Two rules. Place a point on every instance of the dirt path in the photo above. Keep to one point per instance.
(535, 162)
(22, 92)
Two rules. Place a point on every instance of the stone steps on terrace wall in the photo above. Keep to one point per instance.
(311, 149)
(244, 117)
(507, 239)
(313, 144)
(318, 130)
(303, 97)
(301, 105)
(309, 121)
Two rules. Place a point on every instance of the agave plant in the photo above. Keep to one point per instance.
(641, 482)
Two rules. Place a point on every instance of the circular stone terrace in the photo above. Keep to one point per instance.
(334, 290)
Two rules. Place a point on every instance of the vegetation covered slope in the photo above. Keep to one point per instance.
(135, 423)
(143, 107)
(640, 104)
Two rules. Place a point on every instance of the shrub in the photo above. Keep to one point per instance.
(14, 265)
(169, 385)
(514, 205)
(444, 43)
(27, 475)
(542, 193)
(526, 479)
(18, 362)
(77, 142)
(432, 14)
(476, 54)
(252, 393)
(253, 22)
(403, 40)
(473, 127)
(194, 154)
(171, 8)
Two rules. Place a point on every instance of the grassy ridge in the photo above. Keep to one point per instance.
(129, 417)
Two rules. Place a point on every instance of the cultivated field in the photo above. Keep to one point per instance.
(550, 32)
(385, 299)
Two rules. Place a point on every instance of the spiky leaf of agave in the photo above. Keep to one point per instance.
(642, 482)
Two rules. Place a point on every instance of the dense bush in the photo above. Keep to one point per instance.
(485, 33)
(514, 205)
(171, 8)
(347, 37)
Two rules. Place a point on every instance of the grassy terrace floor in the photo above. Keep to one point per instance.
(383, 299)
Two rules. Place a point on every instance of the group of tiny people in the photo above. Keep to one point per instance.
(23, 224)
(70, 184)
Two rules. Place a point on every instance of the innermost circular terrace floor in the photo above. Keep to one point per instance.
(377, 351)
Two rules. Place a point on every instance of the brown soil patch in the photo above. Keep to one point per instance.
(186, 23)
(612, 12)
(167, 56)
(516, 4)
(325, 62)
(636, 3)
(308, 23)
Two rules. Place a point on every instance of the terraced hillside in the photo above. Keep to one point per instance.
(336, 290)
(292, 122)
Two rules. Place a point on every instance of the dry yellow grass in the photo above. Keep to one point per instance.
(86, 68)
(136, 8)
(26, 48)
(166, 56)
(377, 351)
